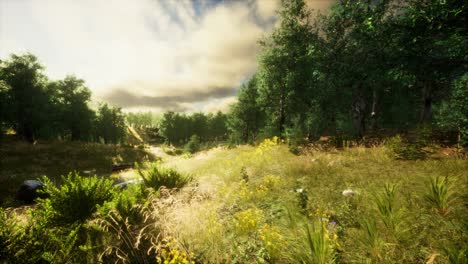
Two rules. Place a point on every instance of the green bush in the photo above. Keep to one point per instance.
(193, 145)
(156, 176)
(404, 150)
(5, 230)
(77, 198)
(124, 202)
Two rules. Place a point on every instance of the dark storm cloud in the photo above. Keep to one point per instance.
(126, 99)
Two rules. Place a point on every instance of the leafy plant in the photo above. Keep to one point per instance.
(156, 176)
(439, 195)
(319, 246)
(385, 202)
(77, 198)
(404, 150)
(193, 145)
(371, 240)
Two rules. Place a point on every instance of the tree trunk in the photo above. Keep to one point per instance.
(426, 112)
(359, 107)
(282, 117)
(373, 125)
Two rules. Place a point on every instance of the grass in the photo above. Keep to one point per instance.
(390, 220)
(263, 204)
(23, 161)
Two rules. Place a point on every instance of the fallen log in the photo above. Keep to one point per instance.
(121, 167)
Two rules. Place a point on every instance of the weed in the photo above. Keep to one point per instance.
(155, 176)
(439, 195)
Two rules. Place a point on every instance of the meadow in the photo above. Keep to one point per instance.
(254, 204)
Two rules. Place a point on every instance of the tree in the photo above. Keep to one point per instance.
(283, 78)
(4, 111)
(110, 124)
(432, 40)
(453, 113)
(217, 126)
(73, 98)
(246, 117)
(28, 100)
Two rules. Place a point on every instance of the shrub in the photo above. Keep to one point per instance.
(77, 198)
(5, 230)
(403, 150)
(125, 203)
(156, 176)
(193, 145)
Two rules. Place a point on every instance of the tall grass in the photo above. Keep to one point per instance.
(439, 195)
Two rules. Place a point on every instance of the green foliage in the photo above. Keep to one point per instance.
(125, 203)
(28, 101)
(177, 128)
(76, 199)
(193, 145)
(143, 119)
(453, 113)
(156, 176)
(371, 240)
(245, 117)
(403, 150)
(5, 233)
(439, 195)
(37, 242)
(72, 98)
(37, 108)
(110, 124)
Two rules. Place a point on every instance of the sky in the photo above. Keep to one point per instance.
(145, 55)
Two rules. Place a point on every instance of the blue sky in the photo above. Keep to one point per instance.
(186, 55)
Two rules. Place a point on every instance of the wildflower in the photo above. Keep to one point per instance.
(349, 192)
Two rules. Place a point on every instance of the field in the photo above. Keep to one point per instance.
(263, 204)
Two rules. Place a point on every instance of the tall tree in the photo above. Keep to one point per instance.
(73, 97)
(110, 124)
(283, 76)
(28, 99)
(432, 38)
(246, 117)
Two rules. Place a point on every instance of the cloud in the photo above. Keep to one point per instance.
(164, 54)
(128, 99)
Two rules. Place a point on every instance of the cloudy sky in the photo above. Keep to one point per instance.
(183, 55)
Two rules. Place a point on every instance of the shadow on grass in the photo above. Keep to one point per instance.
(21, 161)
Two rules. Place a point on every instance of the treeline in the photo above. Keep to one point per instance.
(179, 128)
(143, 119)
(36, 107)
(364, 65)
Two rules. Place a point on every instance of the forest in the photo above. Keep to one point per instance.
(346, 145)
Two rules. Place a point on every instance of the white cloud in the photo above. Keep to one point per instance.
(146, 47)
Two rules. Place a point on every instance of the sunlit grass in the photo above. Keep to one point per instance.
(388, 221)
(264, 204)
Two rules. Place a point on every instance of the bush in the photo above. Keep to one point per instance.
(77, 198)
(403, 150)
(5, 230)
(193, 145)
(156, 176)
(125, 203)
